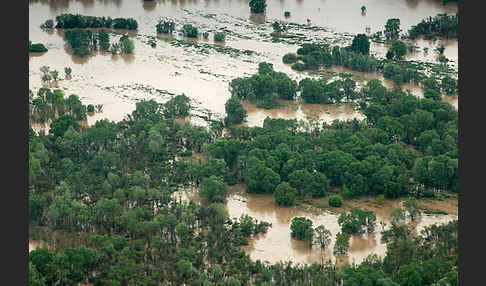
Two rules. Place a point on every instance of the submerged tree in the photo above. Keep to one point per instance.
(257, 6)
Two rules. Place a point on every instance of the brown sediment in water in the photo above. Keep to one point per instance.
(277, 245)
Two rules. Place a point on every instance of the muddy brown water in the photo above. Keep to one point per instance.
(119, 81)
(277, 244)
(203, 74)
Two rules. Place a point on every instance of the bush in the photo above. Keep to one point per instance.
(48, 24)
(380, 198)
(298, 66)
(127, 45)
(301, 228)
(90, 108)
(335, 201)
(37, 48)
(257, 6)
(165, 27)
(219, 37)
(190, 31)
(287, 14)
(361, 44)
(285, 194)
(289, 58)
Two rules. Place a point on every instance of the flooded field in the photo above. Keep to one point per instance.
(277, 244)
(202, 70)
(199, 68)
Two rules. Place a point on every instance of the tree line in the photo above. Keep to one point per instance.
(71, 21)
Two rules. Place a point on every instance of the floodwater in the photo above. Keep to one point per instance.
(277, 245)
(203, 72)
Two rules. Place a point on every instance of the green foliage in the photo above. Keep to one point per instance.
(165, 27)
(412, 208)
(264, 87)
(289, 58)
(361, 44)
(48, 24)
(322, 237)
(213, 189)
(287, 13)
(37, 48)
(189, 31)
(285, 194)
(335, 201)
(90, 108)
(398, 49)
(235, 113)
(301, 228)
(60, 125)
(257, 6)
(219, 37)
(392, 28)
(70, 21)
(441, 25)
(81, 41)
(357, 221)
(341, 245)
(104, 39)
(127, 45)
(177, 107)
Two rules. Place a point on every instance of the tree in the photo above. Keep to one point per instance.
(361, 44)
(335, 201)
(399, 49)
(357, 221)
(127, 45)
(67, 71)
(322, 237)
(189, 31)
(363, 9)
(213, 189)
(165, 27)
(60, 125)
(261, 179)
(412, 208)
(397, 215)
(219, 37)
(285, 194)
(257, 6)
(104, 39)
(392, 28)
(301, 228)
(177, 107)
(341, 245)
(235, 113)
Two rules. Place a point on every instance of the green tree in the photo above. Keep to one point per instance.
(301, 228)
(335, 201)
(213, 189)
(285, 194)
(361, 44)
(412, 208)
(60, 125)
(322, 237)
(341, 245)
(392, 28)
(235, 113)
(399, 49)
(257, 6)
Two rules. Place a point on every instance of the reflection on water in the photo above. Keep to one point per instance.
(277, 245)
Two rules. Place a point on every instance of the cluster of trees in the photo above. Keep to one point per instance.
(165, 27)
(442, 25)
(190, 31)
(49, 105)
(355, 57)
(113, 182)
(428, 259)
(265, 87)
(84, 42)
(314, 55)
(71, 21)
(37, 48)
(406, 145)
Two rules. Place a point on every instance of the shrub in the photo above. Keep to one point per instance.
(285, 194)
(48, 24)
(37, 48)
(289, 58)
(127, 45)
(219, 37)
(335, 201)
(380, 198)
(257, 6)
(165, 27)
(90, 108)
(287, 14)
(301, 228)
(190, 31)
(298, 66)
